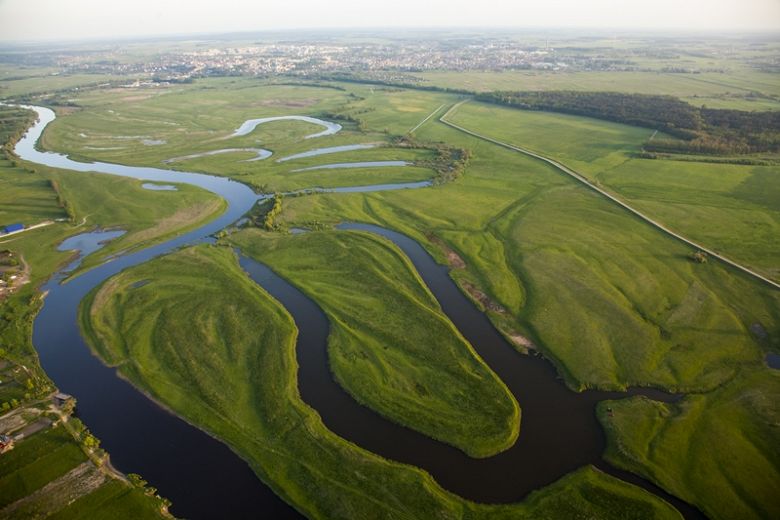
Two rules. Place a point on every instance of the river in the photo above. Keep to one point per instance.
(204, 479)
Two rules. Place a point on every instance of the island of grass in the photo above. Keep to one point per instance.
(236, 378)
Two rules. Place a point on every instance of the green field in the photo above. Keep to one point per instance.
(48, 475)
(241, 386)
(728, 440)
(147, 216)
(733, 209)
(198, 118)
(28, 196)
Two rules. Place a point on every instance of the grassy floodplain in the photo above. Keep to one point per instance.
(734, 209)
(611, 301)
(48, 473)
(147, 126)
(147, 216)
(729, 436)
(233, 383)
(28, 196)
(419, 372)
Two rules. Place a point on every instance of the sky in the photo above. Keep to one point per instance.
(25, 20)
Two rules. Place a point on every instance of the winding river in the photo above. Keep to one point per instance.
(205, 479)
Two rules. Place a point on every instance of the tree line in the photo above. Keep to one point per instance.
(698, 130)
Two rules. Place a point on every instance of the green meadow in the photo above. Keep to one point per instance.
(734, 209)
(27, 195)
(741, 90)
(717, 450)
(48, 475)
(420, 372)
(149, 126)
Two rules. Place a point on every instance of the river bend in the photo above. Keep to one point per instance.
(559, 430)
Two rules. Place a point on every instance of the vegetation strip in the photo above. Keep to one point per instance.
(613, 198)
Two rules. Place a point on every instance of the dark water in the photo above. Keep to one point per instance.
(199, 474)
(773, 360)
(559, 431)
(87, 243)
(204, 479)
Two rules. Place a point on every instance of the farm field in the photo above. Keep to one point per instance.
(49, 475)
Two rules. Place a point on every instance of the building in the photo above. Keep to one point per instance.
(6, 443)
(61, 399)
(13, 227)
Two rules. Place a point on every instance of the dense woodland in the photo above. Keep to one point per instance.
(699, 130)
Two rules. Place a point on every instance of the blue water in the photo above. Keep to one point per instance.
(328, 150)
(158, 187)
(364, 164)
(248, 126)
(202, 476)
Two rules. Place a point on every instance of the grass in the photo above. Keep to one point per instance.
(611, 301)
(237, 379)
(42, 81)
(734, 209)
(37, 461)
(98, 201)
(727, 439)
(419, 372)
(46, 458)
(147, 216)
(27, 196)
(112, 500)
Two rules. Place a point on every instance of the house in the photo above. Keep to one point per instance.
(60, 398)
(6, 443)
(13, 227)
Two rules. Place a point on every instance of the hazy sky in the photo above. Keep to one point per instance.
(69, 19)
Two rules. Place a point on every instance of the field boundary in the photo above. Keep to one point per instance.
(572, 173)
(426, 119)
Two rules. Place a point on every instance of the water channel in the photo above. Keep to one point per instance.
(205, 479)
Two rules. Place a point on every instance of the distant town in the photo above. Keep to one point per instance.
(350, 53)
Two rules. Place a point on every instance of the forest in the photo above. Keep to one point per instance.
(699, 130)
